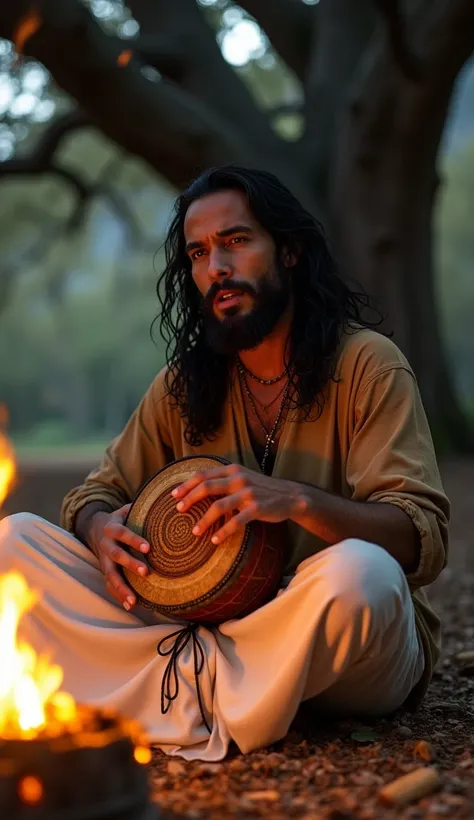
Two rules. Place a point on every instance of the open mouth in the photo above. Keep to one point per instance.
(228, 298)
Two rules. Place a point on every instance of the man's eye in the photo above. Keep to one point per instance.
(197, 254)
(238, 239)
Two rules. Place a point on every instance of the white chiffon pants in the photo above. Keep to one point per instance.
(341, 631)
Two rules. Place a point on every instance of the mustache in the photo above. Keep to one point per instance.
(219, 287)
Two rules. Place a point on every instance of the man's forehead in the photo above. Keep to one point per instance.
(216, 212)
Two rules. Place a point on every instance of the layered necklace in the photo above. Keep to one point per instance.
(270, 435)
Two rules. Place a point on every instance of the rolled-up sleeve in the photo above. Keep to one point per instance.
(131, 459)
(392, 460)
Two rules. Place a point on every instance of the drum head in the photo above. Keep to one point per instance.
(185, 570)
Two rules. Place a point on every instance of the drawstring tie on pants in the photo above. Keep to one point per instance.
(170, 681)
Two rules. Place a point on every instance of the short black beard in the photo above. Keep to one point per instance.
(235, 332)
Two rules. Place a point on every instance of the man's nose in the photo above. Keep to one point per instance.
(219, 267)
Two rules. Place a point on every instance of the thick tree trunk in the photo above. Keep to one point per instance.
(384, 190)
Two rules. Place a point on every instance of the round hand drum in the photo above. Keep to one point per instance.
(189, 577)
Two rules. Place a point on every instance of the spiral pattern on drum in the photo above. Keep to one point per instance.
(174, 550)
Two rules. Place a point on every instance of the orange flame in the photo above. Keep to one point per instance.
(31, 704)
(27, 26)
(7, 458)
(29, 698)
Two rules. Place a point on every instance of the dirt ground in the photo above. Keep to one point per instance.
(336, 771)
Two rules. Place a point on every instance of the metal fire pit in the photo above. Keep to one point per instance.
(86, 775)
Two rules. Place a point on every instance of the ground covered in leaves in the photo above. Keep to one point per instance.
(337, 771)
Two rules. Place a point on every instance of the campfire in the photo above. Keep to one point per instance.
(59, 760)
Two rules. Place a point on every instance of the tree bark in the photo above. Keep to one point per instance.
(384, 191)
(343, 32)
(289, 25)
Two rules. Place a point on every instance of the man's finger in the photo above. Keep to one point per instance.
(122, 557)
(117, 586)
(122, 512)
(119, 532)
(196, 479)
(209, 487)
(113, 592)
(225, 506)
(237, 522)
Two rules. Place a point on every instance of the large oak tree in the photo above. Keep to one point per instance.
(377, 78)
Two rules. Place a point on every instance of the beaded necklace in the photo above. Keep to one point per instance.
(257, 378)
(269, 434)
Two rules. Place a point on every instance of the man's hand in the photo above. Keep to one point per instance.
(244, 495)
(106, 535)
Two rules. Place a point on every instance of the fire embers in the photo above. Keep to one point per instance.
(60, 760)
(76, 776)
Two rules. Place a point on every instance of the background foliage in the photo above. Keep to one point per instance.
(78, 268)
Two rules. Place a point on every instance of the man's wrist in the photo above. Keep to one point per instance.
(300, 501)
(86, 520)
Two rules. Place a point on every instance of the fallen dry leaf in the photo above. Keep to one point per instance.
(124, 57)
(27, 26)
(268, 794)
(454, 799)
(175, 767)
(365, 778)
(423, 750)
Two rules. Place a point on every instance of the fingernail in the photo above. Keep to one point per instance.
(175, 492)
(142, 570)
(180, 505)
(130, 601)
(126, 605)
(215, 539)
(144, 547)
(196, 530)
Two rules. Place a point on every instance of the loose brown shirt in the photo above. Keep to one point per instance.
(371, 443)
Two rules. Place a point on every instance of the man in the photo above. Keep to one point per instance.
(271, 366)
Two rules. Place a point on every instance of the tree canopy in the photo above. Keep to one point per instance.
(345, 102)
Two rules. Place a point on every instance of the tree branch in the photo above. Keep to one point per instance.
(443, 35)
(445, 38)
(401, 52)
(101, 187)
(50, 230)
(344, 30)
(168, 55)
(386, 108)
(175, 133)
(28, 166)
(31, 254)
(203, 72)
(41, 159)
(51, 138)
(288, 25)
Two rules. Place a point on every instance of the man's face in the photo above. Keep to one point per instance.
(245, 290)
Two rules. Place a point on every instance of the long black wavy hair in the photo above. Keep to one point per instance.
(324, 305)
